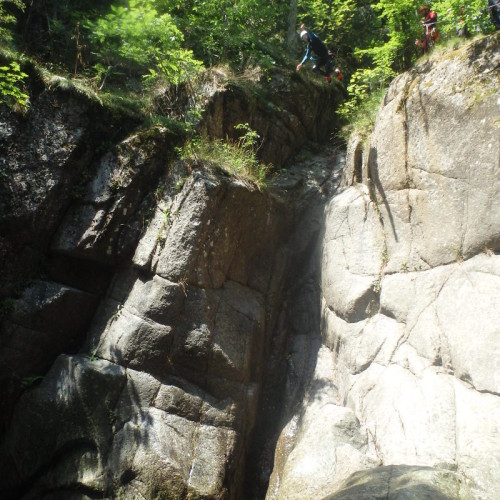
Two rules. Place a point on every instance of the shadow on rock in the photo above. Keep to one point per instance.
(398, 482)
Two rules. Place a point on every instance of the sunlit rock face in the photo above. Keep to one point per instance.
(410, 300)
(183, 334)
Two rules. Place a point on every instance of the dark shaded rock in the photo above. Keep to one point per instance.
(45, 158)
(287, 111)
(106, 224)
(73, 419)
(400, 482)
(48, 319)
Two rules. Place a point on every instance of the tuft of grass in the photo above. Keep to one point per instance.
(237, 158)
(447, 47)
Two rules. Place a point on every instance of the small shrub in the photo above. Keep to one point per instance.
(11, 85)
(361, 114)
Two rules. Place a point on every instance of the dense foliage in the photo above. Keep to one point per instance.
(170, 41)
(392, 49)
(140, 38)
(8, 18)
(11, 80)
(11, 76)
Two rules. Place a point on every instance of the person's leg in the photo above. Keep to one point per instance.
(325, 61)
(329, 66)
(424, 44)
(317, 68)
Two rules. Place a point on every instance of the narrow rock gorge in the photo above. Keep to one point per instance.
(169, 331)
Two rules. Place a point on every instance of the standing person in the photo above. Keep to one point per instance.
(494, 10)
(462, 29)
(323, 58)
(430, 31)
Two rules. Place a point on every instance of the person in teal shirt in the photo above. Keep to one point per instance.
(322, 55)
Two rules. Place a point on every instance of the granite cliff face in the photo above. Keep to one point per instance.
(406, 386)
(176, 333)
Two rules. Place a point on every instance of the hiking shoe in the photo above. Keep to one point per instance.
(328, 79)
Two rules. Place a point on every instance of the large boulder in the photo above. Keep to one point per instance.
(185, 329)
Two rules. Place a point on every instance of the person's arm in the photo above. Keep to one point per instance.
(306, 57)
(431, 20)
(308, 54)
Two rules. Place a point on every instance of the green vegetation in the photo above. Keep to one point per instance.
(8, 11)
(361, 111)
(125, 50)
(11, 85)
(92, 356)
(395, 25)
(139, 38)
(11, 76)
(237, 158)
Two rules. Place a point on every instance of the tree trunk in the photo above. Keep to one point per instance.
(291, 33)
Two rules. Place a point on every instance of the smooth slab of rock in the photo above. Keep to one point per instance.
(401, 482)
(325, 442)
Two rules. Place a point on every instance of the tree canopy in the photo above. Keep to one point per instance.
(170, 40)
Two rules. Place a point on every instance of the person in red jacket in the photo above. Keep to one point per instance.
(430, 32)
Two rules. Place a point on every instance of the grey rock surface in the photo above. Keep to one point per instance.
(324, 442)
(189, 330)
(410, 297)
(400, 482)
(123, 268)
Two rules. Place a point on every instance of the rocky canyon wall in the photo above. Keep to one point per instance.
(143, 297)
(169, 331)
(405, 391)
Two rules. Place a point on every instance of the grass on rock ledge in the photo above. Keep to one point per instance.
(236, 158)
